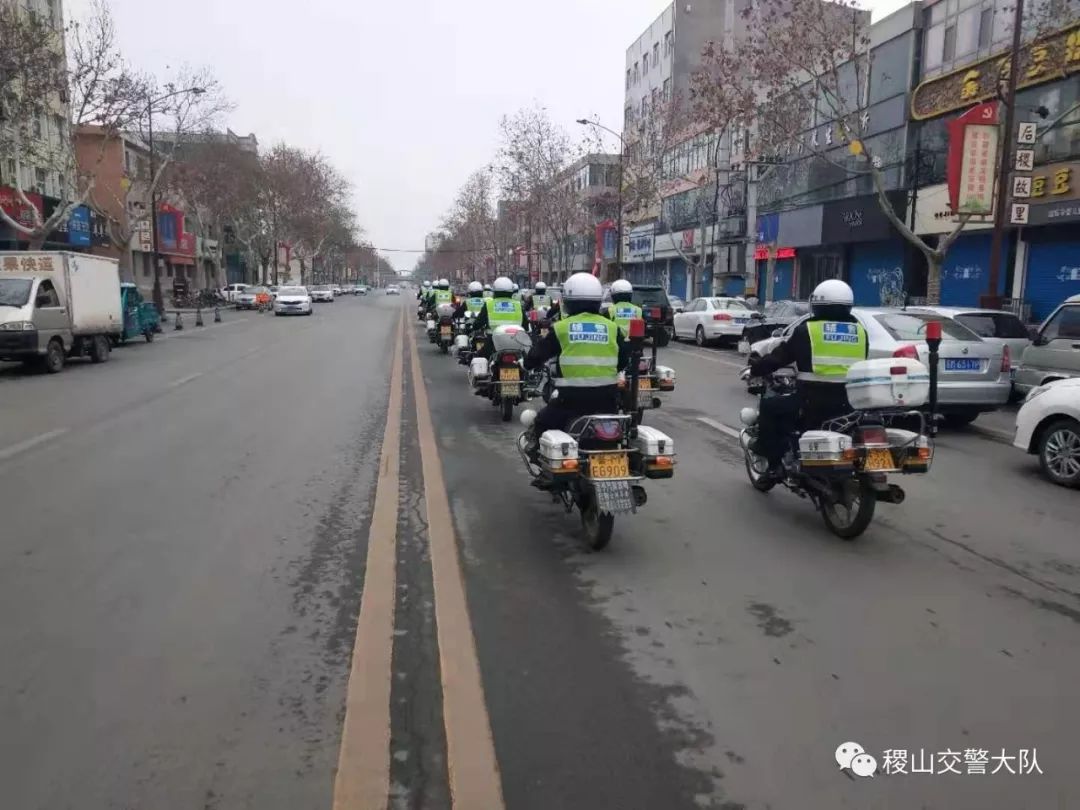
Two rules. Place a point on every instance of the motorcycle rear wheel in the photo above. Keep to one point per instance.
(849, 521)
(598, 526)
(507, 408)
(444, 347)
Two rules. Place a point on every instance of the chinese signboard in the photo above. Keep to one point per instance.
(1053, 193)
(78, 226)
(26, 264)
(1054, 57)
(977, 170)
(143, 241)
(17, 209)
(640, 243)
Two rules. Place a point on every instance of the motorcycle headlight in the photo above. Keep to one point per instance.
(18, 326)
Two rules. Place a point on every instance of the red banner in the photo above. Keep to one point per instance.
(979, 115)
(17, 209)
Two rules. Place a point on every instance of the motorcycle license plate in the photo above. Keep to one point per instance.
(879, 459)
(644, 384)
(445, 331)
(614, 497)
(512, 374)
(609, 465)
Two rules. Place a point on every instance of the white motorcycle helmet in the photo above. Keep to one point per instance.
(582, 292)
(503, 285)
(621, 287)
(444, 284)
(832, 292)
(427, 283)
(516, 287)
(487, 288)
(540, 288)
(475, 288)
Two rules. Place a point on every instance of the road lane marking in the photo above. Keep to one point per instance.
(34, 441)
(730, 431)
(185, 380)
(701, 356)
(362, 781)
(470, 750)
(197, 329)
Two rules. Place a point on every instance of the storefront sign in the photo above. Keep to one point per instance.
(859, 219)
(142, 239)
(934, 214)
(688, 239)
(761, 254)
(78, 226)
(800, 227)
(1053, 57)
(1053, 193)
(15, 208)
(640, 244)
(768, 225)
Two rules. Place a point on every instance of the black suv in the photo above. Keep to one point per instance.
(656, 309)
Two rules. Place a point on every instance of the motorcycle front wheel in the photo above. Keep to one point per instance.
(850, 517)
(756, 467)
(597, 526)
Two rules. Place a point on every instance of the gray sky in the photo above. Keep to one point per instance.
(404, 97)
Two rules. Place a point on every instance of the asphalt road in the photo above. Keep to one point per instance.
(189, 533)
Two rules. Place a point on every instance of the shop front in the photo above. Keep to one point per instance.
(1052, 235)
(860, 242)
(796, 230)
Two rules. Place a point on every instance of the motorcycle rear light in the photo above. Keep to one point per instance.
(909, 351)
(607, 430)
(924, 453)
(873, 435)
(569, 463)
(849, 454)
(1006, 359)
(509, 357)
(664, 461)
(721, 316)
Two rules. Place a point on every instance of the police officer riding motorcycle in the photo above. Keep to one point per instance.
(622, 309)
(822, 348)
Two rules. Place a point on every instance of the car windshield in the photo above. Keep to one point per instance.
(912, 326)
(321, 288)
(291, 291)
(14, 292)
(801, 307)
(994, 324)
(650, 297)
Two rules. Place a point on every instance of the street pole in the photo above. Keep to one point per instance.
(159, 299)
(585, 122)
(992, 298)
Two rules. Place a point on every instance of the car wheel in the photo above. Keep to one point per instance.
(699, 336)
(663, 338)
(54, 357)
(1059, 452)
(99, 349)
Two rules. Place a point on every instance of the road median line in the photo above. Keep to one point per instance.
(362, 781)
(470, 750)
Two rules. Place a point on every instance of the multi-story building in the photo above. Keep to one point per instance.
(590, 191)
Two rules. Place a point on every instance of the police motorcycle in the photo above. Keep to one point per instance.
(653, 379)
(600, 463)
(463, 346)
(445, 330)
(844, 468)
(503, 379)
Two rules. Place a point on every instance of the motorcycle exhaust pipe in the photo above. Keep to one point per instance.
(640, 496)
(894, 495)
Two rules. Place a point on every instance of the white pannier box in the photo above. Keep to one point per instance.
(445, 310)
(652, 442)
(461, 342)
(503, 338)
(824, 448)
(556, 447)
(889, 382)
(478, 368)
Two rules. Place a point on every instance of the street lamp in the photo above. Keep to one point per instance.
(159, 299)
(622, 156)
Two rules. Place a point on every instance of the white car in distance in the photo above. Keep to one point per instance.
(1048, 425)
(393, 289)
(322, 292)
(292, 301)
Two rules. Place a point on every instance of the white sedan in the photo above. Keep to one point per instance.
(1048, 425)
(292, 301)
(322, 292)
(393, 289)
(708, 319)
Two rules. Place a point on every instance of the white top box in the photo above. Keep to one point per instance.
(888, 382)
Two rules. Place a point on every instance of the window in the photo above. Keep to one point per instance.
(637, 73)
(656, 54)
(655, 97)
(912, 326)
(628, 78)
(948, 49)
(986, 27)
(39, 179)
(669, 43)
(37, 127)
(644, 107)
(935, 38)
(967, 32)
(58, 127)
(127, 160)
(667, 90)
(46, 295)
(645, 64)
(987, 324)
(1064, 325)
(628, 116)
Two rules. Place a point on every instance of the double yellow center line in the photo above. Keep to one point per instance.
(363, 774)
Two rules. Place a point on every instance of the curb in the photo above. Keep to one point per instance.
(992, 434)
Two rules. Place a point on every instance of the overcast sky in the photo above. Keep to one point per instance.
(404, 97)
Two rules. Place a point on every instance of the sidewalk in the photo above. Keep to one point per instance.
(999, 425)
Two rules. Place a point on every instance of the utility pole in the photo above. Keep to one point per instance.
(992, 298)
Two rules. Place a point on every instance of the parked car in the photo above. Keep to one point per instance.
(775, 315)
(713, 319)
(337, 290)
(1054, 353)
(264, 299)
(677, 303)
(322, 292)
(393, 289)
(273, 290)
(1048, 425)
(993, 326)
(246, 298)
(292, 301)
(656, 310)
(361, 289)
(974, 376)
(230, 291)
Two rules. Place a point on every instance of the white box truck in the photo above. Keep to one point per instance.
(55, 305)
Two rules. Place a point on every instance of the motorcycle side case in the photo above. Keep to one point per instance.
(665, 378)
(657, 452)
(461, 341)
(556, 447)
(825, 449)
(478, 368)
